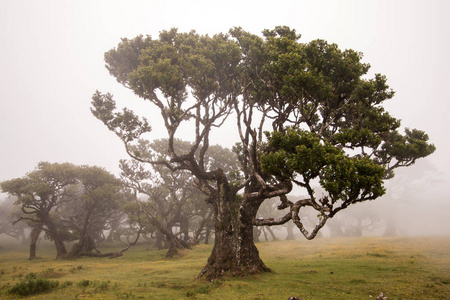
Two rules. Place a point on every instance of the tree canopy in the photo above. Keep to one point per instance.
(305, 112)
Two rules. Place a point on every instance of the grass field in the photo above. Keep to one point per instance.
(354, 268)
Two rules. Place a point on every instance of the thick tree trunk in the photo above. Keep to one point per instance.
(61, 251)
(84, 245)
(234, 251)
(86, 242)
(34, 235)
(256, 233)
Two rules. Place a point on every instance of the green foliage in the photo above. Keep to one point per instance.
(84, 283)
(41, 187)
(32, 285)
(300, 153)
(351, 179)
(405, 150)
(297, 152)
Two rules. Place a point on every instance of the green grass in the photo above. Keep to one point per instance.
(401, 268)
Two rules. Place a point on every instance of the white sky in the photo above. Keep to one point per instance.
(51, 62)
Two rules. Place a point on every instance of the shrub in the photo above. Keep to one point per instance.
(103, 285)
(84, 282)
(32, 285)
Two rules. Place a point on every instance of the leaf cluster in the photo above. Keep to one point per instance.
(298, 153)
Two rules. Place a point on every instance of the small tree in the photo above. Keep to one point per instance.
(324, 121)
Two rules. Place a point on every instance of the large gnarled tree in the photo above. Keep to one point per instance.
(304, 112)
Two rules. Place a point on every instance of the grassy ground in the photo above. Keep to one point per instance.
(358, 268)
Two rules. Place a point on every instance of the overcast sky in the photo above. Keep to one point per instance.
(51, 62)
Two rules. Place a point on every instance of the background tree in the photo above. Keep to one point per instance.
(96, 198)
(126, 222)
(170, 197)
(324, 121)
(355, 222)
(8, 214)
(266, 210)
(38, 194)
(68, 203)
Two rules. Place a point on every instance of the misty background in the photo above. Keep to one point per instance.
(51, 62)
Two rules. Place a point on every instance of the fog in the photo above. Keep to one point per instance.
(51, 58)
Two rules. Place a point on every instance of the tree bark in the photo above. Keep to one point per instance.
(34, 235)
(234, 251)
(61, 251)
(159, 242)
(256, 232)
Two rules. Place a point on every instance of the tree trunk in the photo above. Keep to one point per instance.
(256, 233)
(290, 231)
(61, 250)
(184, 227)
(274, 237)
(159, 240)
(207, 234)
(86, 243)
(34, 235)
(263, 230)
(234, 251)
